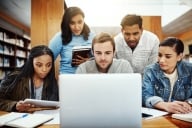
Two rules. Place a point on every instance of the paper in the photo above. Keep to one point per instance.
(152, 112)
(23, 120)
(54, 113)
(4, 119)
(185, 117)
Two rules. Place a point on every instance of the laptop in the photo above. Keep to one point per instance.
(100, 100)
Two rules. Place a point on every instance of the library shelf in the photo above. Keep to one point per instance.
(14, 50)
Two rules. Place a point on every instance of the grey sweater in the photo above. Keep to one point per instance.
(118, 66)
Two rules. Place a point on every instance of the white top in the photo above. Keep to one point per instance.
(144, 54)
(172, 78)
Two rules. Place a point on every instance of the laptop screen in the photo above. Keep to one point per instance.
(100, 100)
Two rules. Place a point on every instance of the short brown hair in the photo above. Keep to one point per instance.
(130, 20)
(103, 37)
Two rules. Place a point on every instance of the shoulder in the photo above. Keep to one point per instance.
(10, 77)
(118, 37)
(151, 39)
(14, 73)
(121, 65)
(85, 67)
(57, 35)
(152, 71)
(56, 41)
(121, 62)
(150, 35)
(152, 67)
(185, 65)
(146, 32)
(89, 63)
(91, 35)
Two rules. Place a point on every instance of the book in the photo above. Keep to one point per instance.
(83, 51)
(149, 113)
(42, 103)
(24, 120)
(185, 117)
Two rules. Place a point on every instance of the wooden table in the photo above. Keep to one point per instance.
(159, 122)
(165, 122)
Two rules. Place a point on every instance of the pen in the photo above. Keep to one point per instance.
(24, 115)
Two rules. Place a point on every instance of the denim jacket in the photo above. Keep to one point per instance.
(156, 86)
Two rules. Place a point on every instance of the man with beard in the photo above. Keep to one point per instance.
(103, 47)
(138, 46)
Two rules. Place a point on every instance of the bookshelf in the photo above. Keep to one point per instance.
(14, 50)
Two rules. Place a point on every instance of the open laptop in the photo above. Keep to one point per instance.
(100, 100)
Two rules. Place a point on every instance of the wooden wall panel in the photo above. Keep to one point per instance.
(54, 16)
(38, 22)
(45, 20)
(153, 24)
(185, 36)
(46, 16)
(156, 26)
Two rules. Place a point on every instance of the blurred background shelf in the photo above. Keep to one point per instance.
(14, 50)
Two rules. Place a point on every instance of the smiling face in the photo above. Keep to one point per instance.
(168, 58)
(76, 24)
(42, 65)
(103, 53)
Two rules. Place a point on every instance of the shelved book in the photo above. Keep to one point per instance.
(14, 49)
(83, 51)
(24, 120)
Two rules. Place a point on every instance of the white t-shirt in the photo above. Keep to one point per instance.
(172, 78)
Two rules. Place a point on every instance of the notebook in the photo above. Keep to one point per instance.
(100, 100)
(150, 113)
(23, 120)
(185, 117)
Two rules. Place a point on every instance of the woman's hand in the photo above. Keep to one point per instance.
(23, 107)
(174, 107)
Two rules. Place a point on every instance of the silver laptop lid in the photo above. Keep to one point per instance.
(100, 100)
